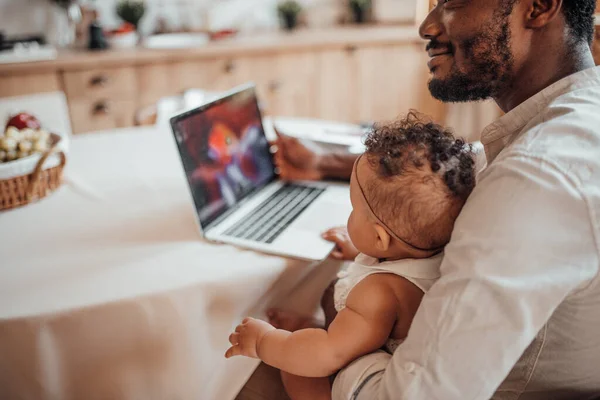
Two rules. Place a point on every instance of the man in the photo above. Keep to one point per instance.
(516, 313)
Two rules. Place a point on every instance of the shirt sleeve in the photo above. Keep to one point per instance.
(523, 242)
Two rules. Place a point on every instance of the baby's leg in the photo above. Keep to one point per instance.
(302, 388)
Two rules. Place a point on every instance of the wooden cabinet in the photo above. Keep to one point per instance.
(101, 98)
(101, 114)
(377, 83)
(101, 83)
(214, 74)
(392, 80)
(351, 84)
(285, 83)
(290, 89)
(21, 85)
(337, 89)
(342, 76)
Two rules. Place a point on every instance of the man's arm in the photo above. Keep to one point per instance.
(337, 165)
(363, 326)
(522, 244)
(297, 160)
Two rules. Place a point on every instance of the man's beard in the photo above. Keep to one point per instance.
(489, 70)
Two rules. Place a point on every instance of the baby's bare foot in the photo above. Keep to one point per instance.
(291, 321)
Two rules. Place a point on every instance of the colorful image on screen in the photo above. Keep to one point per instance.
(225, 153)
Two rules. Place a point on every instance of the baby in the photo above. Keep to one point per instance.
(406, 192)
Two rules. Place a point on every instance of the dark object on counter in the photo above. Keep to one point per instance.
(289, 21)
(288, 13)
(64, 3)
(97, 39)
(360, 10)
(8, 43)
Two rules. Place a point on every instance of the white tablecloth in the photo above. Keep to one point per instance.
(107, 290)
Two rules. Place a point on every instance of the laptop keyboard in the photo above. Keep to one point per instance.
(267, 221)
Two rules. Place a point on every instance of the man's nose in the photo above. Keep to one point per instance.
(431, 27)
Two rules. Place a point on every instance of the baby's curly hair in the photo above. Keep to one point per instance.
(425, 176)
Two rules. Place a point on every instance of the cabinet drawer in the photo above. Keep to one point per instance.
(96, 115)
(115, 83)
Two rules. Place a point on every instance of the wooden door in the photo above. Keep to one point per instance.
(286, 83)
(337, 90)
(392, 80)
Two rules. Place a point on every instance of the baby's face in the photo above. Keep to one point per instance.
(361, 227)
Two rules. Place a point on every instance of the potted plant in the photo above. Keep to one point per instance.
(360, 10)
(131, 11)
(288, 12)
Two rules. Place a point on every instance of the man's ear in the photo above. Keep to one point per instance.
(541, 12)
(383, 238)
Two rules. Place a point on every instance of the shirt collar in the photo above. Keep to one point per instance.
(507, 128)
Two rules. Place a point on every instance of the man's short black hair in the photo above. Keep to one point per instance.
(580, 18)
(579, 15)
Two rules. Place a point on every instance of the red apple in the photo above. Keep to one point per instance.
(24, 120)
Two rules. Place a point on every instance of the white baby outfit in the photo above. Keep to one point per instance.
(421, 272)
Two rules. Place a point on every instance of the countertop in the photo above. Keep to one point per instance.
(339, 37)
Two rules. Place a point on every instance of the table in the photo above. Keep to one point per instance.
(107, 290)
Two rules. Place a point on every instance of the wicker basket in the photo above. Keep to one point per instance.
(24, 189)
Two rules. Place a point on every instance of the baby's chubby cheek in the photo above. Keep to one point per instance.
(359, 235)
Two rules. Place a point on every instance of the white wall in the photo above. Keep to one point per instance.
(31, 16)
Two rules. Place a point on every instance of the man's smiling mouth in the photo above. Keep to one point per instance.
(436, 58)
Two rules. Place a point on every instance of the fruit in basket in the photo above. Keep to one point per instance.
(9, 143)
(12, 132)
(11, 155)
(16, 142)
(22, 121)
(40, 145)
(25, 145)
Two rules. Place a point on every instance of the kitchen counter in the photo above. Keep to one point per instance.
(264, 43)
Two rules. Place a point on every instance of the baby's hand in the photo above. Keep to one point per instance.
(344, 249)
(246, 338)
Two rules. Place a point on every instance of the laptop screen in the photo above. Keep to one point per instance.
(224, 152)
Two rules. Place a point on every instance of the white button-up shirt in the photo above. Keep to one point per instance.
(516, 313)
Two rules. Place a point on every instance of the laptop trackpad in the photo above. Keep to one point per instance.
(330, 210)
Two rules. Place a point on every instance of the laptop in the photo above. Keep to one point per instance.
(234, 185)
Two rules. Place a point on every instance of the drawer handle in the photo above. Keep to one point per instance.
(101, 108)
(274, 86)
(229, 66)
(100, 80)
(351, 48)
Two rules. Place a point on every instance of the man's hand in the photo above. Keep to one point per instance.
(246, 338)
(344, 249)
(295, 160)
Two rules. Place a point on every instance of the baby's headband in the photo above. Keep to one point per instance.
(383, 224)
